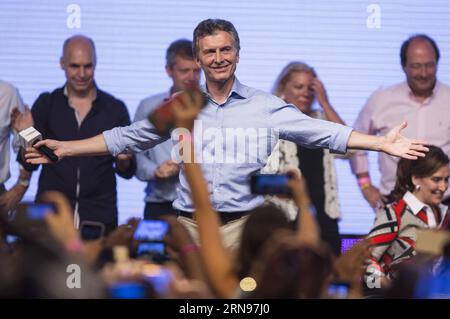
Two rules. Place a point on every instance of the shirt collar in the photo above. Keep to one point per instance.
(66, 92)
(428, 99)
(238, 90)
(416, 205)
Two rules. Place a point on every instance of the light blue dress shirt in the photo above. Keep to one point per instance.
(157, 190)
(245, 109)
(9, 99)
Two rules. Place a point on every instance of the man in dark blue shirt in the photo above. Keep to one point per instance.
(79, 110)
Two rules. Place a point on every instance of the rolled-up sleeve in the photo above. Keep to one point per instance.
(301, 129)
(134, 138)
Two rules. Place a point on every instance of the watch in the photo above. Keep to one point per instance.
(24, 182)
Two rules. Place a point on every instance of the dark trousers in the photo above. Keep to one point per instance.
(2, 189)
(329, 231)
(156, 210)
(110, 227)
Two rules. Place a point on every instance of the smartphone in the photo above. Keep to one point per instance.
(29, 218)
(270, 184)
(90, 230)
(159, 277)
(11, 239)
(338, 290)
(128, 290)
(435, 286)
(145, 248)
(151, 230)
(37, 211)
(150, 236)
(162, 118)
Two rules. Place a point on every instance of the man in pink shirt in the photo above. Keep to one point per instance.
(421, 100)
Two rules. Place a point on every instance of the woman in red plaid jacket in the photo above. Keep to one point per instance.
(418, 193)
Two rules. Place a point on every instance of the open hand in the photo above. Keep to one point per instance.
(398, 145)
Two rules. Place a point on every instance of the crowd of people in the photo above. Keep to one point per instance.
(219, 238)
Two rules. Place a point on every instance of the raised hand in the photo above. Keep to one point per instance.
(186, 106)
(320, 92)
(61, 223)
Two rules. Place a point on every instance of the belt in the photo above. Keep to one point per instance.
(225, 217)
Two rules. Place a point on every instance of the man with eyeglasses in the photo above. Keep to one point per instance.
(421, 100)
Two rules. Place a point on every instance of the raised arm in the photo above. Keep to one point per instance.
(217, 260)
(321, 95)
(308, 230)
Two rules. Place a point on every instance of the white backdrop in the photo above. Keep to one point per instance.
(353, 45)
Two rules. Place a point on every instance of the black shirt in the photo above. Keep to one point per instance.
(55, 119)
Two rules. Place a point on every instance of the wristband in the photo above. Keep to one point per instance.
(364, 182)
(189, 248)
(75, 245)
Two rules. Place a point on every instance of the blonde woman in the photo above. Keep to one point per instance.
(298, 84)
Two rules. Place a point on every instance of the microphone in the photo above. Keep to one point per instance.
(30, 136)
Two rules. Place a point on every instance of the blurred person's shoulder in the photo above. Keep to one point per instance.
(7, 88)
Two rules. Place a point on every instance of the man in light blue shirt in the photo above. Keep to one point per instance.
(14, 117)
(155, 165)
(233, 107)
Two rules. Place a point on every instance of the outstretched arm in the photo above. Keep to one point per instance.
(91, 146)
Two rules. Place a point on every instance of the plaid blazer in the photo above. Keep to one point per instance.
(393, 236)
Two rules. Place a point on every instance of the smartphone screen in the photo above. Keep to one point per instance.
(91, 230)
(151, 230)
(338, 290)
(150, 236)
(37, 211)
(145, 248)
(270, 184)
(128, 290)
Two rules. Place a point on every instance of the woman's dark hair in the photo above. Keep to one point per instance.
(260, 225)
(293, 271)
(422, 167)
